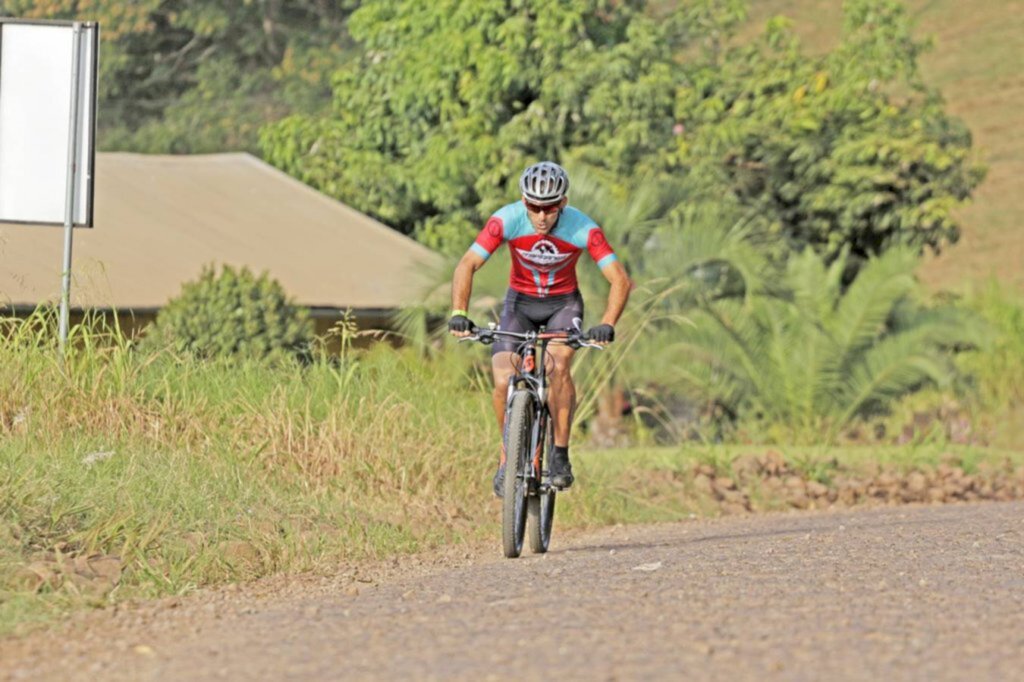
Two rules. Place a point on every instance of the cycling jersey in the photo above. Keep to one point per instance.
(544, 265)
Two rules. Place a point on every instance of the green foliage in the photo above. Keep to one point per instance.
(812, 355)
(680, 252)
(998, 372)
(846, 151)
(450, 100)
(188, 76)
(232, 313)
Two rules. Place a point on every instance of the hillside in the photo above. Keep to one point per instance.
(976, 63)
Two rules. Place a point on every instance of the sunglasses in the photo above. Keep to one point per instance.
(546, 210)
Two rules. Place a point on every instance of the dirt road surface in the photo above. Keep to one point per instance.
(914, 593)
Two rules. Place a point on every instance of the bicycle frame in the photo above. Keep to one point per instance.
(528, 493)
(531, 376)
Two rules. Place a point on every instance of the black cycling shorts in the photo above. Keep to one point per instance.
(523, 313)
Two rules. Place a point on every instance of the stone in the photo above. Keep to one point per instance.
(702, 484)
(239, 552)
(816, 489)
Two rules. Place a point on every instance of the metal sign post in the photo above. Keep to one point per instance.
(48, 130)
(69, 205)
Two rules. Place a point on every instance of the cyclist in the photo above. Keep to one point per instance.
(545, 239)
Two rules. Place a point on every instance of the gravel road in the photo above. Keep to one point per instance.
(917, 593)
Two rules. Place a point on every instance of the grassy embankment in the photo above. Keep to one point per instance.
(126, 476)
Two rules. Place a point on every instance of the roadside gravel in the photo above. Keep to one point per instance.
(911, 592)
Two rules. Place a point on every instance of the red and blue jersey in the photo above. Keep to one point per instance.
(544, 265)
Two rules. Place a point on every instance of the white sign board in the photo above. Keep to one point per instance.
(35, 108)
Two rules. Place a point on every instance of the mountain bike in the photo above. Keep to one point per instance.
(529, 437)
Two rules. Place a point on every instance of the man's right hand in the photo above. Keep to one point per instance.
(460, 325)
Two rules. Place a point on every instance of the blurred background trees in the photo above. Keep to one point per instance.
(758, 190)
(192, 76)
(422, 114)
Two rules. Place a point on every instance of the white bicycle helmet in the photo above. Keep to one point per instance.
(544, 183)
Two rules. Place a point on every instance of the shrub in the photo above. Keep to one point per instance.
(232, 313)
(807, 360)
(999, 371)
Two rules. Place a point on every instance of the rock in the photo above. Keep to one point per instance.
(702, 484)
(725, 484)
(88, 586)
(849, 492)
(816, 489)
(239, 552)
(798, 499)
(773, 463)
(95, 457)
(745, 466)
(37, 575)
(795, 483)
(108, 568)
(735, 497)
(916, 482)
(194, 540)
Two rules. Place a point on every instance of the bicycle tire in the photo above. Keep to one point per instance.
(541, 507)
(517, 452)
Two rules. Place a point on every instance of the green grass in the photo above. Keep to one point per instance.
(365, 457)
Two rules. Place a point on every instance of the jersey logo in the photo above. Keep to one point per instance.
(544, 255)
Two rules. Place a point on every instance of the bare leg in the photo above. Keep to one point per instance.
(502, 368)
(562, 398)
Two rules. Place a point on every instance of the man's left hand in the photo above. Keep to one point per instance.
(602, 333)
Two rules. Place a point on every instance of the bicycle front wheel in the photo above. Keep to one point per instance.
(541, 507)
(517, 462)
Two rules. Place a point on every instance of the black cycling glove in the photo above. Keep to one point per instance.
(460, 323)
(602, 333)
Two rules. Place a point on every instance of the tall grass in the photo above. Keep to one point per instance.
(164, 461)
(993, 389)
(998, 372)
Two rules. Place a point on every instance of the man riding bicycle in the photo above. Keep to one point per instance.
(546, 237)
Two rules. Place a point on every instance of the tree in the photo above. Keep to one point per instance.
(452, 99)
(845, 152)
(203, 75)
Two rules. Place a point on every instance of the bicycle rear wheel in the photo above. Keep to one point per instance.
(517, 455)
(541, 507)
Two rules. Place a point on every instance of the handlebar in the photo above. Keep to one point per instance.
(570, 337)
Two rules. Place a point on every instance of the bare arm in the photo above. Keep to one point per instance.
(462, 280)
(618, 294)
